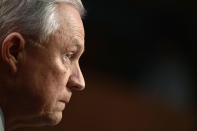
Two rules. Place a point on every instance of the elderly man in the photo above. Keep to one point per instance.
(41, 42)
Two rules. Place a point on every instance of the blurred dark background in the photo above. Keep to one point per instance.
(140, 68)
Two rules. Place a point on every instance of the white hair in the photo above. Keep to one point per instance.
(34, 19)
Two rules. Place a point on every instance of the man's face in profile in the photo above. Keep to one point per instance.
(51, 71)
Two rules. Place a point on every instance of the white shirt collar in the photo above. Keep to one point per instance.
(1, 120)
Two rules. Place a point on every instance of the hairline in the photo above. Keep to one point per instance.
(81, 10)
(45, 25)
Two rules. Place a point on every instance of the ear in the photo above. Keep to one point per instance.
(12, 48)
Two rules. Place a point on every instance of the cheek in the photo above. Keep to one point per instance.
(53, 82)
(45, 82)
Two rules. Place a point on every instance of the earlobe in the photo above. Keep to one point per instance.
(12, 47)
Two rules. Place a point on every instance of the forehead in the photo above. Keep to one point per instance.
(69, 20)
(70, 31)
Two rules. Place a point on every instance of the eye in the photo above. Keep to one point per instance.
(68, 57)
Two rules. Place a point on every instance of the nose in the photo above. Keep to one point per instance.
(76, 80)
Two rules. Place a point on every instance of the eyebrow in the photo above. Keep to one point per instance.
(79, 46)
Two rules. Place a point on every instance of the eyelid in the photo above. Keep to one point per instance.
(70, 54)
(73, 51)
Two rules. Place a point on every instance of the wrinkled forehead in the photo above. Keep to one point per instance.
(69, 20)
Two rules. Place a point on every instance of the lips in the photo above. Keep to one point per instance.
(61, 106)
(65, 100)
(66, 97)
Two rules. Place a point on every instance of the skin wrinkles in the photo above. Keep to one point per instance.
(75, 34)
(71, 26)
(45, 82)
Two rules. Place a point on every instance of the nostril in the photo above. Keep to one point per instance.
(78, 88)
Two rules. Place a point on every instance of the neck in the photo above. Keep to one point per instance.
(6, 122)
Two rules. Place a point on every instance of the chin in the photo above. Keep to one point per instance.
(53, 119)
